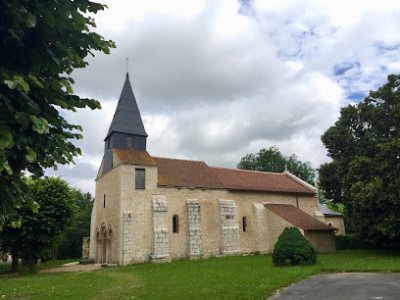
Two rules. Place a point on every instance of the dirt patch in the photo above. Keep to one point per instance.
(73, 267)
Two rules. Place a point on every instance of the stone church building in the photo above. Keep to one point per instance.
(161, 209)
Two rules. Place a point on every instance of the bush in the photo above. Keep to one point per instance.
(292, 248)
(351, 241)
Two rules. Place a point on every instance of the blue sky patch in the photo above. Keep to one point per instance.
(341, 68)
(356, 96)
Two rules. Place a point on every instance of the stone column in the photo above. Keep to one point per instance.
(195, 235)
(160, 249)
(92, 241)
(261, 227)
(85, 247)
(127, 239)
(230, 244)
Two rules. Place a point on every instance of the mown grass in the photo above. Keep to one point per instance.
(246, 277)
(6, 268)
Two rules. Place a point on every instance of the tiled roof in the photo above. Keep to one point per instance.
(244, 180)
(297, 217)
(329, 212)
(134, 157)
(188, 173)
(197, 174)
(185, 173)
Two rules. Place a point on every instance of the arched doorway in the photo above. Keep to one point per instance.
(104, 251)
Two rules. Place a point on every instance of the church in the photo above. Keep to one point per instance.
(153, 209)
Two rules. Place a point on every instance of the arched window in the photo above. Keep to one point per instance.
(244, 223)
(175, 224)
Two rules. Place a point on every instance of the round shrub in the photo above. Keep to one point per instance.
(292, 248)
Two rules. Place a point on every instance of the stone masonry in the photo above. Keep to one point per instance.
(127, 251)
(230, 230)
(195, 236)
(160, 250)
(260, 221)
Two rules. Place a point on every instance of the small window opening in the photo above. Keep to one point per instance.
(330, 224)
(175, 224)
(244, 223)
(129, 141)
(104, 201)
(140, 179)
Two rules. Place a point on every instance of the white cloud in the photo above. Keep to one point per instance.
(214, 84)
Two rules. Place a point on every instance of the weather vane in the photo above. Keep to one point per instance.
(127, 63)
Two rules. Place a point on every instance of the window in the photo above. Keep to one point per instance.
(244, 223)
(140, 179)
(104, 201)
(175, 224)
(129, 141)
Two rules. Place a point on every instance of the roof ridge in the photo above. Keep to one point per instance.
(181, 159)
(250, 171)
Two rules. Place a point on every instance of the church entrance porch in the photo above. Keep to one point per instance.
(103, 246)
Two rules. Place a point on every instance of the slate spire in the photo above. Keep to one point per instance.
(127, 117)
(126, 129)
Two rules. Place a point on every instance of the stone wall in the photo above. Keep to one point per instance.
(107, 216)
(336, 222)
(127, 238)
(92, 243)
(276, 225)
(194, 234)
(261, 228)
(204, 228)
(85, 247)
(229, 226)
(160, 249)
(323, 241)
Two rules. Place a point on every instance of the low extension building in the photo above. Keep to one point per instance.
(333, 218)
(161, 209)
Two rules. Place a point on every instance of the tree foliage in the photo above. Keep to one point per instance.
(69, 242)
(38, 230)
(365, 172)
(41, 43)
(272, 160)
(292, 248)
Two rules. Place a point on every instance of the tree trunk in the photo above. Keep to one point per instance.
(55, 253)
(29, 263)
(14, 264)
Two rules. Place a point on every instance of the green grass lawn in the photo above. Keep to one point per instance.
(240, 277)
(5, 268)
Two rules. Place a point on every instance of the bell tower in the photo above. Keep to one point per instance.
(126, 129)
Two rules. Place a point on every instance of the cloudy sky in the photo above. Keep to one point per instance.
(217, 79)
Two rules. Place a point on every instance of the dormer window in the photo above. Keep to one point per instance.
(129, 141)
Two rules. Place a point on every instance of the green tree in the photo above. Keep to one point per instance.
(272, 160)
(69, 243)
(38, 230)
(41, 43)
(365, 173)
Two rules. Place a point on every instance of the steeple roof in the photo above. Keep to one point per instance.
(127, 117)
